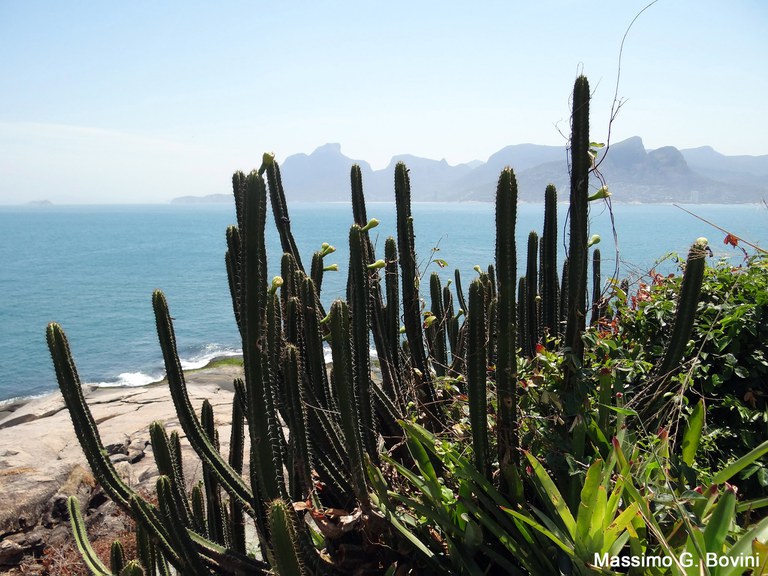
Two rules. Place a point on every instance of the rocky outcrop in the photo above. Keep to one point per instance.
(42, 464)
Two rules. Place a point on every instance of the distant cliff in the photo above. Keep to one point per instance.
(633, 174)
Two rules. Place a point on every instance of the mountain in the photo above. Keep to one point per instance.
(322, 175)
(632, 172)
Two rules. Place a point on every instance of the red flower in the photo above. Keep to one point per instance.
(731, 239)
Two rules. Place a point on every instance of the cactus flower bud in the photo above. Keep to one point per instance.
(372, 223)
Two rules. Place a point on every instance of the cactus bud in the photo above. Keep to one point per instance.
(376, 265)
(600, 194)
(372, 223)
(277, 281)
(326, 249)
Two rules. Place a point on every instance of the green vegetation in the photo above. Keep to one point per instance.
(504, 437)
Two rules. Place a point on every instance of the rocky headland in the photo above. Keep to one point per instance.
(42, 464)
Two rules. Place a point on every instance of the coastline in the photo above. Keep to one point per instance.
(42, 463)
(11, 406)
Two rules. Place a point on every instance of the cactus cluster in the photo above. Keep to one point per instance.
(313, 432)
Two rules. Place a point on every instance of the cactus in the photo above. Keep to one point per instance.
(506, 355)
(549, 289)
(280, 208)
(285, 547)
(410, 282)
(348, 403)
(687, 303)
(358, 290)
(522, 317)
(581, 164)
(597, 305)
(477, 344)
(326, 460)
(531, 285)
(436, 331)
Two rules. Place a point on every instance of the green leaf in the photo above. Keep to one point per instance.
(586, 516)
(744, 546)
(553, 494)
(692, 434)
(735, 467)
(719, 522)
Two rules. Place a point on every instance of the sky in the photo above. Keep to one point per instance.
(144, 101)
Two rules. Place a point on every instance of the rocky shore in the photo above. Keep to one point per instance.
(41, 462)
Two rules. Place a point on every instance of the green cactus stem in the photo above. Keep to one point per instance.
(477, 343)
(532, 282)
(437, 329)
(687, 302)
(285, 547)
(343, 373)
(596, 288)
(549, 290)
(410, 285)
(228, 477)
(116, 557)
(506, 313)
(581, 164)
(91, 559)
(280, 209)
(358, 291)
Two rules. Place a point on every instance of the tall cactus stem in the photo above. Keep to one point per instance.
(358, 290)
(280, 210)
(437, 328)
(410, 284)
(476, 376)
(506, 313)
(581, 164)
(532, 283)
(214, 509)
(229, 478)
(550, 292)
(343, 373)
(596, 288)
(687, 302)
(285, 546)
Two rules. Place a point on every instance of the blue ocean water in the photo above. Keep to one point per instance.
(93, 269)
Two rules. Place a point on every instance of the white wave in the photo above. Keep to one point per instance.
(130, 380)
(208, 353)
(328, 356)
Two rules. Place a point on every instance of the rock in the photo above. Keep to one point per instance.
(10, 552)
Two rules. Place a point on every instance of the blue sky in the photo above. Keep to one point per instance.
(105, 102)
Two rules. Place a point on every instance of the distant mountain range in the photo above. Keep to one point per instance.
(633, 174)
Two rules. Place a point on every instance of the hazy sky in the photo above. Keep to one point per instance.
(104, 102)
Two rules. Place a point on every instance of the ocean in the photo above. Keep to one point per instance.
(93, 270)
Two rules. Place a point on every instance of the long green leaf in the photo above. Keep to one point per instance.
(735, 467)
(743, 547)
(719, 522)
(553, 494)
(692, 435)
